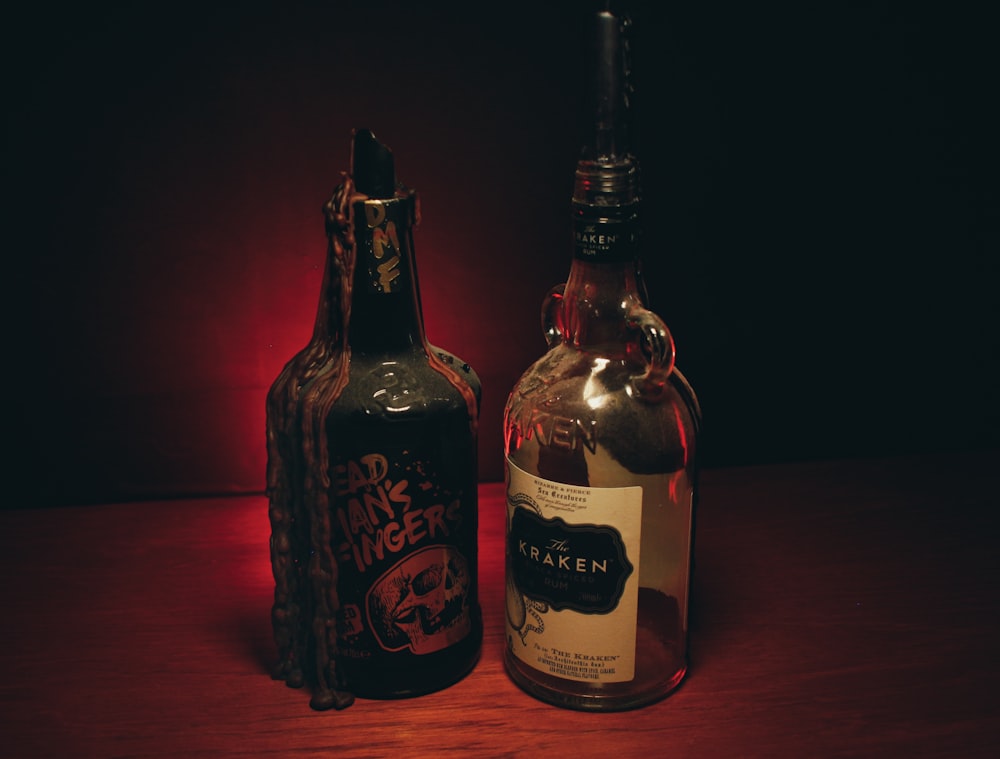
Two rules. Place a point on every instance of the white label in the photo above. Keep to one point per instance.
(573, 577)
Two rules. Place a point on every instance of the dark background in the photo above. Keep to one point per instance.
(821, 215)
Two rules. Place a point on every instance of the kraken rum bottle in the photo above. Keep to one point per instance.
(600, 440)
(372, 469)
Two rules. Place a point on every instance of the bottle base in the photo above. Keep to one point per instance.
(607, 697)
(416, 676)
(661, 664)
(413, 691)
(569, 694)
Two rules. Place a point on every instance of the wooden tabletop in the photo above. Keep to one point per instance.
(839, 609)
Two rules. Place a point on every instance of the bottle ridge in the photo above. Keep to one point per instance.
(372, 469)
(600, 438)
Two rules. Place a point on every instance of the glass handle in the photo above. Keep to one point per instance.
(657, 346)
(551, 308)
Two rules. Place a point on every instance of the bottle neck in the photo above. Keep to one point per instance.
(603, 288)
(385, 312)
(604, 292)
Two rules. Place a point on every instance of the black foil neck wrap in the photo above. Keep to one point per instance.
(372, 166)
(606, 234)
(607, 72)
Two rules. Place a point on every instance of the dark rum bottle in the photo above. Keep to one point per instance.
(600, 440)
(380, 489)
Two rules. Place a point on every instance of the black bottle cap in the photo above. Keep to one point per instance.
(607, 174)
(608, 84)
(372, 166)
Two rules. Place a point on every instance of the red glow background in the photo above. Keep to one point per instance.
(821, 203)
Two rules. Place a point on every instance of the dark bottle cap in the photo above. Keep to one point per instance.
(607, 85)
(372, 166)
(607, 174)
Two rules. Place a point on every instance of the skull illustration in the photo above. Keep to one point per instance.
(422, 602)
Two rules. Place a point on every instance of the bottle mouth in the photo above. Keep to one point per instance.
(606, 183)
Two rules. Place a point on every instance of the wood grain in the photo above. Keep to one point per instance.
(842, 608)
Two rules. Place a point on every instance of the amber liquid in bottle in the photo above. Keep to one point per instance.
(600, 440)
(384, 434)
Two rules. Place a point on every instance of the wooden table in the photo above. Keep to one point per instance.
(839, 609)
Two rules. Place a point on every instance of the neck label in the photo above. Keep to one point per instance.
(605, 239)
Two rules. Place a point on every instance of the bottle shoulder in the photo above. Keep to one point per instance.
(571, 403)
(404, 386)
(565, 375)
(592, 369)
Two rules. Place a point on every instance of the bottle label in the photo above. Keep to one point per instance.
(405, 582)
(606, 239)
(572, 577)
